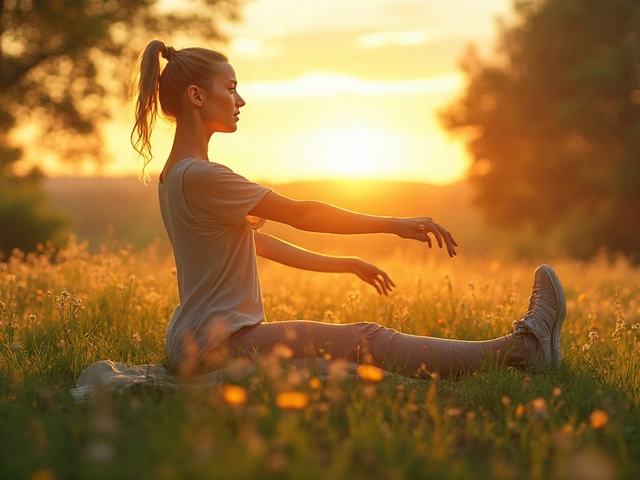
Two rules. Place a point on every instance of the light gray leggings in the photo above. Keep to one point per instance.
(364, 342)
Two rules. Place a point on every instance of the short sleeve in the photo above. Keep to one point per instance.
(214, 193)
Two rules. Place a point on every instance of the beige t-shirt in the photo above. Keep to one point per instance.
(205, 208)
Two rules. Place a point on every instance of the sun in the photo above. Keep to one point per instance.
(353, 152)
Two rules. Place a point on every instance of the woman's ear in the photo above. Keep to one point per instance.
(194, 96)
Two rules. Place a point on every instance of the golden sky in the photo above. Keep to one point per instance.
(344, 88)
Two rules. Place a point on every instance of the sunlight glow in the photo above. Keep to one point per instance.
(247, 46)
(401, 39)
(355, 152)
(326, 84)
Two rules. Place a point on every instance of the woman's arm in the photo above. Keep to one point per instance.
(293, 256)
(321, 217)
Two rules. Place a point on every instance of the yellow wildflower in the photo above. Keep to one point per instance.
(292, 400)
(234, 394)
(598, 419)
(370, 373)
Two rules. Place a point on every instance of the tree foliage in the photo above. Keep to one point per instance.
(553, 123)
(64, 65)
(26, 221)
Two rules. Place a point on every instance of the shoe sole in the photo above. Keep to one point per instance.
(556, 346)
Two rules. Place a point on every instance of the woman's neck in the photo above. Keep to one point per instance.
(190, 141)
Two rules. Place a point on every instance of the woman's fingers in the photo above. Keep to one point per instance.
(382, 283)
(380, 286)
(375, 277)
(430, 226)
(388, 281)
(450, 242)
(440, 233)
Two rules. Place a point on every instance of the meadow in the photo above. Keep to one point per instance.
(61, 312)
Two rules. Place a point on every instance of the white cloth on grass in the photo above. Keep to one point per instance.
(109, 376)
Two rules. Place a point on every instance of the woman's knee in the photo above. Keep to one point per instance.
(370, 330)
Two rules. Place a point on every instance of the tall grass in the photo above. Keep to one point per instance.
(61, 313)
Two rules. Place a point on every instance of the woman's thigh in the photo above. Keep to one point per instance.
(305, 339)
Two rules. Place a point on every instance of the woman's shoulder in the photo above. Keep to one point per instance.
(206, 174)
(177, 168)
(207, 167)
(212, 171)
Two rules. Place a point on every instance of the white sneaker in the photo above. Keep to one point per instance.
(544, 317)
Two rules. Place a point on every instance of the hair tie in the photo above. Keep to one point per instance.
(168, 53)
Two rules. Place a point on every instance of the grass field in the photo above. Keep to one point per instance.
(580, 421)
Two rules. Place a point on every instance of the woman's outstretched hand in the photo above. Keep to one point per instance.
(420, 229)
(373, 276)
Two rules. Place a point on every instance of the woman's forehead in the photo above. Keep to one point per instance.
(227, 73)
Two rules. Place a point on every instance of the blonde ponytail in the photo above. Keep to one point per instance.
(146, 109)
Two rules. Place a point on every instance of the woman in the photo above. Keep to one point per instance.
(213, 215)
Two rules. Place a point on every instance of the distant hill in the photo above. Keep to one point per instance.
(101, 207)
(127, 211)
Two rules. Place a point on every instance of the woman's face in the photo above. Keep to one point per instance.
(221, 104)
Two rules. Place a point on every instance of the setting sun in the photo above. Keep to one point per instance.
(352, 152)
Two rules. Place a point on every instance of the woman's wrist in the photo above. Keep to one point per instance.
(351, 264)
(395, 226)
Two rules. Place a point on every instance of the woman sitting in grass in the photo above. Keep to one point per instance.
(213, 215)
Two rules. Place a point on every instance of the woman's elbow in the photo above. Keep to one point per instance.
(302, 216)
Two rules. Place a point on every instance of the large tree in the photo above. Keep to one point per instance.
(64, 64)
(552, 123)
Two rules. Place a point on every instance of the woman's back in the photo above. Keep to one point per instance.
(204, 207)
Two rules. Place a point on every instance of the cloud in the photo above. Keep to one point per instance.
(247, 46)
(325, 84)
(397, 39)
(255, 48)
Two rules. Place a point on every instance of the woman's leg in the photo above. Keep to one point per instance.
(536, 339)
(373, 344)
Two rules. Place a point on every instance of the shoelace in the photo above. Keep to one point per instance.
(534, 300)
(536, 306)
